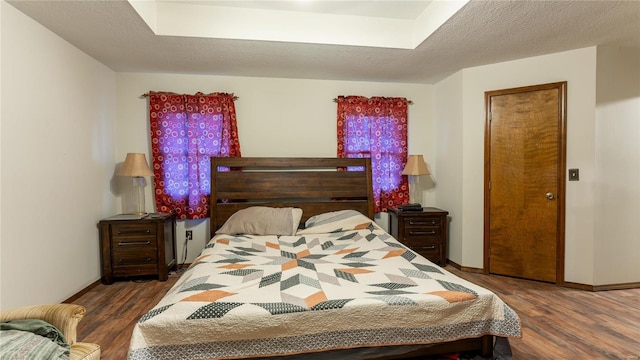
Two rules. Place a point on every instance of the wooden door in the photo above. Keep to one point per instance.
(524, 182)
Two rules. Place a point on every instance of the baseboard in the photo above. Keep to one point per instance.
(605, 287)
(571, 285)
(577, 286)
(82, 292)
(624, 286)
(465, 268)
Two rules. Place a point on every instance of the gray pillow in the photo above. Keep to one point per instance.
(262, 220)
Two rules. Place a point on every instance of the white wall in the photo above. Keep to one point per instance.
(57, 158)
(585, 234)
(448, 161)
(617, 149)
(276, 117)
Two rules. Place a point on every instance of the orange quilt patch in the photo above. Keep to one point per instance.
(454, 296)
(394, 253)
(362, 226)
(209, 296)
(236, 266)
(355, 271)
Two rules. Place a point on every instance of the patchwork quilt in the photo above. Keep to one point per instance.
(252, 296)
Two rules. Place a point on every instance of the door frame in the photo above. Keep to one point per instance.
(562, 154)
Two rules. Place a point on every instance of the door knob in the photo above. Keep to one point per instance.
(550, 196)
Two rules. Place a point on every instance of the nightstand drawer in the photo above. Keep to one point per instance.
(135, 262)
(430, 252)
(421, 232)
(138, 243)
(135, 269)
(421, 222)
(133, 230)
(137, 256)
(415, 243)
(143, 247)
(423, 245)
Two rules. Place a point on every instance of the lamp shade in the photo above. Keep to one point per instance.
(135, 165)
(415, 166)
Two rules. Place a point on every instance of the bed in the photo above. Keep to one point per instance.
(296, 268)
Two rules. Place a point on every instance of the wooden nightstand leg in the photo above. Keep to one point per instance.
(105, 255)
(107, 279)
(163, 274)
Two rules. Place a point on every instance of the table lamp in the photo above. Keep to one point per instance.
(414, 168)
(136, 165)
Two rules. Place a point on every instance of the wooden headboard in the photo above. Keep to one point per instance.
(312, 184)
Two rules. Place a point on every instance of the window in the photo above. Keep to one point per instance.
(377, 128)
(186, 131)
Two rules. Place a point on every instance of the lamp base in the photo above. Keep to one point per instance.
(138, 182)
(415, 195)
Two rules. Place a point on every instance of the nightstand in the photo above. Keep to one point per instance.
(138, 247)
(425, 232)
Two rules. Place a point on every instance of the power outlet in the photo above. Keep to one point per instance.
(189, 235)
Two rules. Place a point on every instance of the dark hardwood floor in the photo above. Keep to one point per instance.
(558, 323)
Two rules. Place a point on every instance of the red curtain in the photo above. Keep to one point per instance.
(377, 128)
(186, 130)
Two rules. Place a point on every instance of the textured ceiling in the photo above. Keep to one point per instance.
(482, 32)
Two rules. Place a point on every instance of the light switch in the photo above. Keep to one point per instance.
(574, 174)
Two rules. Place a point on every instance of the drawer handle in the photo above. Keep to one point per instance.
(120, 232)
(133, 243)
(432, 222)
(430, 247)
(431, 232)
(146, 260)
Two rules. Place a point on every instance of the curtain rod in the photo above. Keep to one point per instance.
(147, 95)
(408, 101)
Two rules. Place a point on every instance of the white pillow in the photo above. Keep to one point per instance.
(262, 220)
(335, 221)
